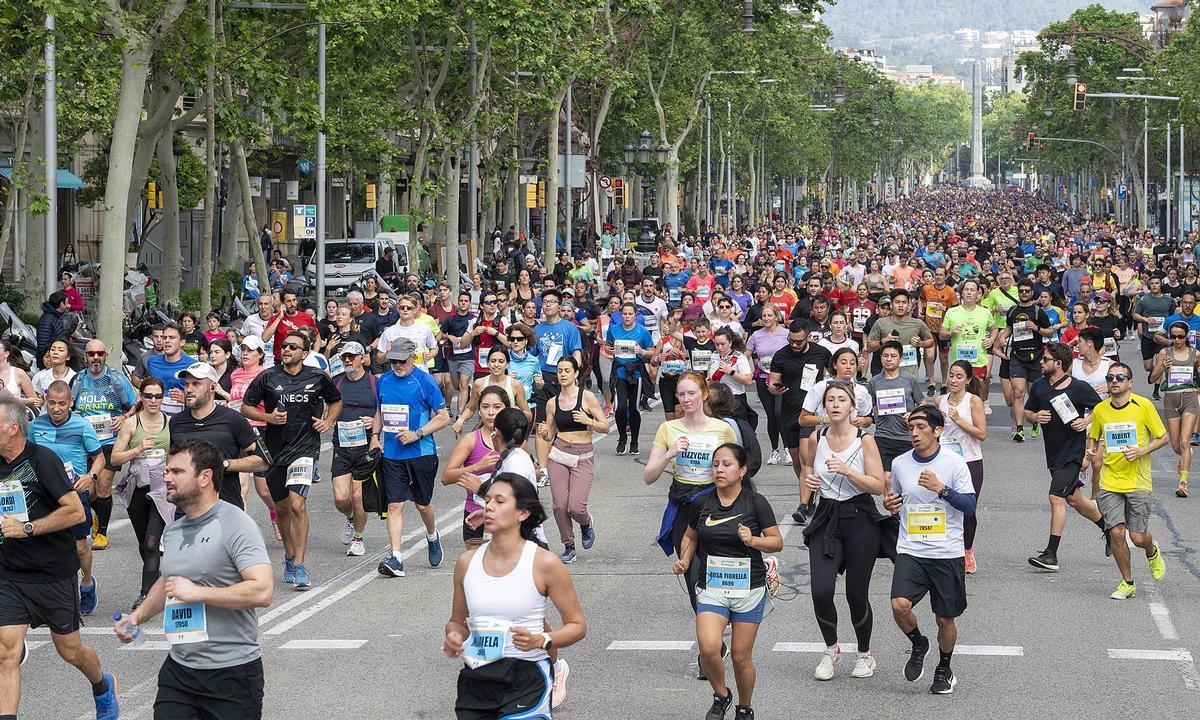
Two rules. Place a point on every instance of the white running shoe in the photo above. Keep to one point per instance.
(774, 459)
(829, 660)
(787, 458)
(864, 666)
(357, 548)
(559, 693)
(348, 532)
(543, 478)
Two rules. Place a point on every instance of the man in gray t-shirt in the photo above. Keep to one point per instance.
(896, 394)
(215, 663)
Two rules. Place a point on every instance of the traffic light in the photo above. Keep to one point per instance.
(1041, 146)
(541, 193)
(1080, 96)
(1029, 142)
(151, 199)
(618, 191)
(370, 196)
(530, 195)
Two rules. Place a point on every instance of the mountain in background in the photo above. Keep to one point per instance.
(922, 31)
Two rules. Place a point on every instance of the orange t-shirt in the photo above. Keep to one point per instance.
(935, 303)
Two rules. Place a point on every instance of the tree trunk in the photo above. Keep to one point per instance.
(752, 202)
(227, 257)
(243, 174)
(171, 276)
(451, 174)
(210, 165)
(550, 226)
(33, 269)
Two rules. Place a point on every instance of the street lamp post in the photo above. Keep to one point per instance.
(644, 162)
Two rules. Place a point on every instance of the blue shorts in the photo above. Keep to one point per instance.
(749, 609)
(409, 479)
(83, 529)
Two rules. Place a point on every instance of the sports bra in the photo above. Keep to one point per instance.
(564, 419)
(11, 384)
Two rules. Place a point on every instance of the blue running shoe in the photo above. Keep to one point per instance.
(392, 567)
(568, 555)
(435, 551)
(88, 599)
(106, 704)
(302, 580)
(589, 536)
(289, 570)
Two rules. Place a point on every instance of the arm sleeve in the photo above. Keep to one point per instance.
(963, 502)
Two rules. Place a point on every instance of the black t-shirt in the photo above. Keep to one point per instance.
(303, 396)
(367, 325)
(1027, 348)
(50, 556)
(717, 535)
(229, 431)
(653, 272)
(1063, 445)
(791, 366)
(753, 315)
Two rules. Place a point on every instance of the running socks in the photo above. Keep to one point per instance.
(1052, 546)
(103, 508)
(1183, 477)
(945, 661)
(915, 636)
(98, 688)
(1100, 524)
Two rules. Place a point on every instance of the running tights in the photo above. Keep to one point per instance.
(772, 405)
(969, 522)
(854, 546)
(692, 577)
(148, 525)
(597, 370)
(627, 395)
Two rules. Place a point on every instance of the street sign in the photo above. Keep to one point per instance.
(605, 182)
(278, 225)
(1122, 191)
(304, 165)
(304, 222)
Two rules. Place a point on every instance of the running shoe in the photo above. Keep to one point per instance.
(942, 390)
(559, 692)
(357, 548)
(829, 660)
(774, 459)
(621, 446)
(435, 551)
(608, 410)
(24, 652)
(588, 534)
(969, 561)
(930, 390)
(543, 478)
(1195, 439)
(1045, 560)
(743, 713)
(568, 555)
(1124, 591)
(275, 528)
(1157, 394)
(914, 669)
(700, 668)
(348, 532)
(391, 567)
(801, 514)
(787, 458)
(106, 703)
(1158, 567)
(943, 681)
(100, 542)
(302, 580)
(88, 599)
(1018, 434)
(864, 666)
(633, 448)
(1181, 491)
(289, 570)
(138, 603)
(720, 706)
(1035, 431)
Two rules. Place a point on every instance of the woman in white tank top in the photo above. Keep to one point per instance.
(497, 363)
(964, 433)
(497, 621)
(16, 381)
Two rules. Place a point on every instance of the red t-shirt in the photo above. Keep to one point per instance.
(288, 325)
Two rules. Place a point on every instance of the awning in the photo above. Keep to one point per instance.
(66, 179)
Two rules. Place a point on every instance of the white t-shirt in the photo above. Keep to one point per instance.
(519, 462)
(43, 378)
(742, 366)
(929, 526)
(1095, 379)
(833, 347)
(419, 333)
(254, 325)
(654, 310)
(863, 403)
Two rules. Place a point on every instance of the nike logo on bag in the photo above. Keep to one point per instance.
(710, 522)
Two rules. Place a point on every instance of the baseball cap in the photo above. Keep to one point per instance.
(352, 348)
(200, 371)
(1104, 295)
(402, 349)
(253, 342)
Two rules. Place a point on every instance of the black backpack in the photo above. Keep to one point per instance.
(750, 445)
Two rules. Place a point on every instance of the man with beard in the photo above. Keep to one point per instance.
(301, 403)
(289, 319)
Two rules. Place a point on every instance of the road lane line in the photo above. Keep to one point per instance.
(997, 650)
(651, 645)
(322, 644)
(1162, 618)
(1183, 660)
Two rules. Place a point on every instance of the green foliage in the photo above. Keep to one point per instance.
(14, 297)
(189, 174)
(189, 299)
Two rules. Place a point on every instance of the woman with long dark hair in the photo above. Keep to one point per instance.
(964, 433)
(731, 366)
(14, 377)
(474, 458)
(763, 344)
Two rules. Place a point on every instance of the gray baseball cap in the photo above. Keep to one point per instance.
(402, 349)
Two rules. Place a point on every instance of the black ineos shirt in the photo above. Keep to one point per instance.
(716, 527)
(303, 396)
(37, 473)
(229, 431)
(794, 368)
(1063, 444)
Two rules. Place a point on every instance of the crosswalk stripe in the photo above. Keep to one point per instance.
(651, 645)
(811, 647)
(322, 644)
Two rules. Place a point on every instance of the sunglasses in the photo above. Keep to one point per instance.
(406, 307)
(96, 353)
(489, 301)
(1178, 337)
(517, 337)
(152, 396)
(292, 346)
(1116, 377)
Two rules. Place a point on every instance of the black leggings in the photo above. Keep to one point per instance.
(691, 578)
(148, 525)
(970, 522)
(854, 547)
(772, 404)
(596, 370)
(627, 396)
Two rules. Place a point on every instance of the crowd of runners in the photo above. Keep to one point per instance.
(857, 350)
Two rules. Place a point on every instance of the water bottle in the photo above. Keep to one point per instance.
(131, 626)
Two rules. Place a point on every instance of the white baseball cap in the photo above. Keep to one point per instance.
(200, 371)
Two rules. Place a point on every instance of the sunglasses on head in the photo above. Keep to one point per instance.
(1116, 377)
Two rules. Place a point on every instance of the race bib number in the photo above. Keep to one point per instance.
(1022, 332)
(171, 407)
(184, 623)
(780, 266)
(953, 445)
(927, 523)
(1180, 375)
(481, 356)
(891, 402)
(1193, 338)
(808, 377)
(674, 367)
(908, 358)
(728, 577)
(300, 472)
(336, 367)
(674, 294)
(154, 456)
(103, 425)
(12, 499)
(395, 417)
(486, 642)
(1067, 412)
(969, 353)
(1120, 436)
(701, 360)
(935, 311)
(699, 454)
(765, 363)
(1110, 346)
(703, 291)
(351, 433)
(624, 349)
(69, 469)
(554, 354)
(860, 320)
(1154, 324)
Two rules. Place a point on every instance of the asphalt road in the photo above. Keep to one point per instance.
(361, 646)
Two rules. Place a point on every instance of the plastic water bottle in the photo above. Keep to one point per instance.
(131, 627)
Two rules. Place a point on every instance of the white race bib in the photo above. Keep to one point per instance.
(765, 363)
(351, 433)
(1022, 332)
(891, 402)
(969, 353)
(554, 354)
(485, 644)
(1066, 409)
(728, 577)
(171, 407)
(481, 356)
(927, 523)
(701, 360)
(1180, 375)
(1154, 324)
(300, 472)
(935, 310)
(154, 456)
(336, 366)
(908, 358)
(624, 349)
(1120, 436)
(808, 377)
(185, 623)
(1110, 346)
(103, 425)
(395, 417)
(12, 499)
(952, 444)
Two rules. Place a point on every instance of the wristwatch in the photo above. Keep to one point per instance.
(28, 528)
(547, 641)
(944, 492)
(225, 464)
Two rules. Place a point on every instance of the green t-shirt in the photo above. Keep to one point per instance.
(975, 324)
(1000, 303)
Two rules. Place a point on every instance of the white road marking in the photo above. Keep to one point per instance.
(1162, 618)
(118, 524)
(322, 644)
(149, 645)
(999, 650)
(1183, 660)
(360, 582)
(651, 645)
(35, 644)
(96, 631)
